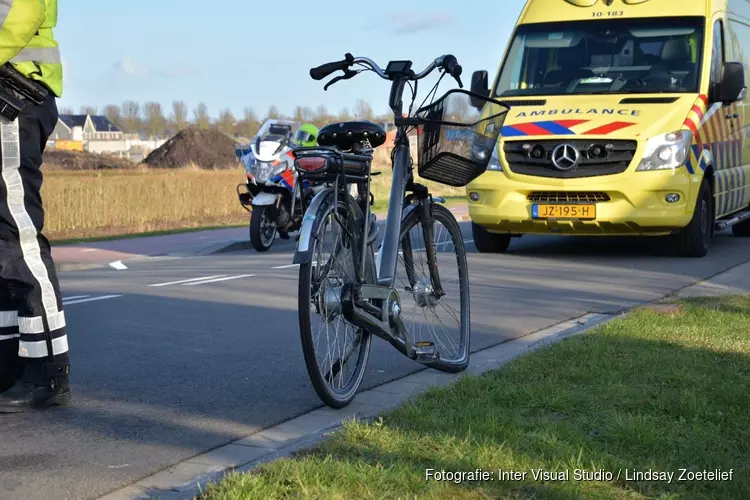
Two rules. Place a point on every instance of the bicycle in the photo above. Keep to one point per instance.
(365, 297)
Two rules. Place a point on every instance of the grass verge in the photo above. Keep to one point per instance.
(107, 204)
(646, 392)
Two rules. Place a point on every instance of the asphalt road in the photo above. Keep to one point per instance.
(163, 373)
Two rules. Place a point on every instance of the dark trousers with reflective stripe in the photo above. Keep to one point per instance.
(32, 322)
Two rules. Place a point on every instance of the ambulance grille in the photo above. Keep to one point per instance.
(524, 102)
(620, 155)
(568, 197)
(648, 100)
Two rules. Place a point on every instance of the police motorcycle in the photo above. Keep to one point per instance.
(272, 194)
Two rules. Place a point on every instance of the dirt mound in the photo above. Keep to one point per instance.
(59, 159)
(209, 149)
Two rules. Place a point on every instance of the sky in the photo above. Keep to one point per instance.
(240, 54)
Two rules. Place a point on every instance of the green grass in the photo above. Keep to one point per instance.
(643, 392)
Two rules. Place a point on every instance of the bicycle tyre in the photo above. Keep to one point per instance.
(317, 378)
(448, 220)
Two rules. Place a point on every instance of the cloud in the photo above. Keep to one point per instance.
(401, 23)
(130, 68)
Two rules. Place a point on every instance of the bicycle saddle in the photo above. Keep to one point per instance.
(344, 135)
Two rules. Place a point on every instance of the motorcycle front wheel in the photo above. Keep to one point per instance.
(262, 229)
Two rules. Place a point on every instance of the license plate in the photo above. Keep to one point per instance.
(539, 211)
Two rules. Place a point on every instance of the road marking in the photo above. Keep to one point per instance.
(286, 267)
(92, 299)
(187, 281)
(218, 279)
(74, 297)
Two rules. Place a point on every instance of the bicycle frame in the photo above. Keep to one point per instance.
(383, 321)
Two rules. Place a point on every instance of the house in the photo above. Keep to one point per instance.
(97, 134)
(86, 128)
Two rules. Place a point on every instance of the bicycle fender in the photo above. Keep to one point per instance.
(310, 222)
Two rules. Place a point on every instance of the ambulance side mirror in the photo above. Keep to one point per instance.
(733, 87)
(479, 85)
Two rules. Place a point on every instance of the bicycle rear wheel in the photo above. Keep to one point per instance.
(337, 376)
(444, 321)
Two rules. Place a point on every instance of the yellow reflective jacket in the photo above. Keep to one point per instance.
(26, 40)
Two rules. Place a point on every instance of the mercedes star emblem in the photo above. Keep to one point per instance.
(565, 157)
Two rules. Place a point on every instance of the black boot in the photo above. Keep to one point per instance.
(11, 367)
(41, 386)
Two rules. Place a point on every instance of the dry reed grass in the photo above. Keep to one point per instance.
(93, 204)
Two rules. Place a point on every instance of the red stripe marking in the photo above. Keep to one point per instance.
(691, 125)
(608, 128)
(531, 129)
(699, 136)
(703, 98)
(288, 176)
(570, 123)
(697, 109)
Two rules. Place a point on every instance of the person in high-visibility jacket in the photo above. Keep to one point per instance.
(34, 362)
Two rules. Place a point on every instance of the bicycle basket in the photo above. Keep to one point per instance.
(455, 139)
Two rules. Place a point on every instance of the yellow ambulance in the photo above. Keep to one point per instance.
(627, 117)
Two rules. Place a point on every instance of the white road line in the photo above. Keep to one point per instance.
(74, 297)
(218, 279)
(286, 267)
(92, 299)
(191, 279)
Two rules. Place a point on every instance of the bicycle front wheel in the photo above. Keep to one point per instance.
(335, 351)
(443, 320)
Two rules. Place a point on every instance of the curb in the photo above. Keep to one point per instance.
(187, 479)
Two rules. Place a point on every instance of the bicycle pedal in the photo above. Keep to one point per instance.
(425, 352)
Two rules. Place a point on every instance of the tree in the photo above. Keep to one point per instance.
(201, 116)
(113, 114)
(179, 114)
(363, 111)
(250, 123)
(226, 121)
(309, 114)
(155, 121)
(299, 114)
(344, 115)
(66, 111)
(321, 116)
(273, 113)
(88, 110)
(131, 117)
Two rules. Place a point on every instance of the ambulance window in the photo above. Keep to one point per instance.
(717, 55)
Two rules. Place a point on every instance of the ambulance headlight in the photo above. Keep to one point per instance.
(667, 151)
(495, 161)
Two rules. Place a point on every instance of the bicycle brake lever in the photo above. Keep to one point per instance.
(346, 76)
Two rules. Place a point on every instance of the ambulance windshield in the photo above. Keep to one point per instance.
(602, 57)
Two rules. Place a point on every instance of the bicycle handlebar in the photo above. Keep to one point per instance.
(326, 69)
(447, 62)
